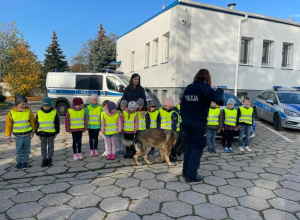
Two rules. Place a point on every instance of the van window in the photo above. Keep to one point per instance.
(110, 82)
(92, 82)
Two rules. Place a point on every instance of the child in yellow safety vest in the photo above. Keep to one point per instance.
(130, 123)
(163, 115)
(20, 122)
(104, 110)
(76, 123)
(110, 127)
(142, 118)
(229, 125)
(48, 126)
(214, 126)
(120, 146)
(93, 114)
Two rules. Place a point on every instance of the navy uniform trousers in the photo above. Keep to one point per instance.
(194, 143)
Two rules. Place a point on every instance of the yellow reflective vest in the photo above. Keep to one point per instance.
(76, 118)
(142, 122)
(94, 115)
(129, 122)
(213, 116)
(230, 117)
(246, 115)
(46, 121)
(163, 118)
(169, 121)
(153, 118)
(111, 124)
(21, 122)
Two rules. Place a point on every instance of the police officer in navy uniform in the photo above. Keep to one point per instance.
(194, 111)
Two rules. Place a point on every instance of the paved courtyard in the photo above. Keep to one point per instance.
(263, 184)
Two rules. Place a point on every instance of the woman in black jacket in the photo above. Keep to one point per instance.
(194, 111)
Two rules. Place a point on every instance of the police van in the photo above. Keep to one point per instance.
(62, 87)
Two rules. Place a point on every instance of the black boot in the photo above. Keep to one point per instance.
(49, 162)
(44, 163)
(173, 158)
(127, 153)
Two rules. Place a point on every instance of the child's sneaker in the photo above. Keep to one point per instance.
(25, 166)
(80, 156)
(112, 157)
(18, 166)
(225, 149)
(76, 157)
(241, 149)
(108, 157)
(230, 149)
(96, 152)
(105, 153)
(92, 153)
(213, 150)
(247, 149)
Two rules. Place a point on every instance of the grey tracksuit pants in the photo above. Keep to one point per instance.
(47, 153)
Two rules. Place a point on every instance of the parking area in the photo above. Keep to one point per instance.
(262, 184)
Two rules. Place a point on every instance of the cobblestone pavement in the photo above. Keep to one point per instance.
(263, 184)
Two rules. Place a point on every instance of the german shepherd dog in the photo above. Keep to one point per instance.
(153, 137)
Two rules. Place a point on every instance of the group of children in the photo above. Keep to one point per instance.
(114, 124)
(228, 121)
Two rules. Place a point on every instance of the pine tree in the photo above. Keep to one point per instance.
(102, 52)
(55, 60)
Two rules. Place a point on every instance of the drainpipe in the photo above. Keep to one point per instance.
(238, 55)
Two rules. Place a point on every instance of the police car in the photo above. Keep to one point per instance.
(227, 95)
(281, 106)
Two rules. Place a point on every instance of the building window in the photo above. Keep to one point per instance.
(287, 50)
(163, 94)
(267, 53)
(245, 53)
(155, 52)
(132, 61)
(147, 54)
(166, 42)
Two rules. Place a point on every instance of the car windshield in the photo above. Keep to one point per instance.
(227, 96)
(147, 95)
(289, 97)
(125, 79)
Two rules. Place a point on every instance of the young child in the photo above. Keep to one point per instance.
(20, 122)
(172, 123)
(245, 118)
(214, 125)
(120, 146)
(48, 126)
(142, 119)
(130, 122)
(93, 114)
(163, 115)
(229, 125)
(104, 110)
(76, 123)
(111, 126)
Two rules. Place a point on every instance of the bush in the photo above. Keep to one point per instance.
(2, 98)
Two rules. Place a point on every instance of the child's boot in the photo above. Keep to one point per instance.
(96, 152)
(108, 157)
(80, 156)
(113, 156)
(44, 163)
(92, 153)
(76, 157)
(49, 162)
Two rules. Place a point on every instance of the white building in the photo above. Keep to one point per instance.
(246, 51)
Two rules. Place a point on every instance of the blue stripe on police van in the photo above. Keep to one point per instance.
(268, 108)
(61, 91)
(86, 92)
(81, 92)
(114, 93)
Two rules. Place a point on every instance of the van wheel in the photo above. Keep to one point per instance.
(277, 122)
(62, 108)
(255, 115)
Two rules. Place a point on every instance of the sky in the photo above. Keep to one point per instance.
(77, 21)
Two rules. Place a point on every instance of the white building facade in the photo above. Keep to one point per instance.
(245, 52)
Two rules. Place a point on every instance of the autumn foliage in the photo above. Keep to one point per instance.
(26, 71)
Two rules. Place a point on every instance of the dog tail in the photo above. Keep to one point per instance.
(126, 143)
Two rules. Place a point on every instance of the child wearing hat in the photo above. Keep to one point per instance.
(142, 119)
(111, 126)
(120, 146)
(229, 125)
(104, 110)
(20, 122)
(48, 126)
(93, 115)
(163, 114)
(76, 124)
(130, 123)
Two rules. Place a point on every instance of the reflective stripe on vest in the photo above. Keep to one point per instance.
(142, 122)
(169, 121)
(246, 115)
(111, 124)
(94, 115)
(76, 118)
(230, 117)
(46, 121)
(153, 118)
(213, 116)
(129, 122)
(163, 118)
(178, 106)
(21, 121)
